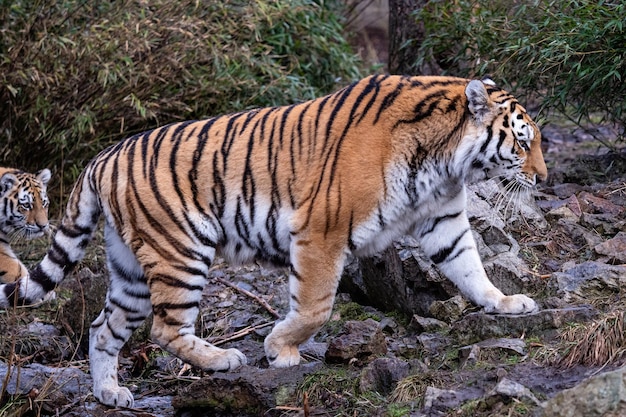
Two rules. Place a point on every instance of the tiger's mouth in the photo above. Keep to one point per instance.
(25, 232)
(517, 183)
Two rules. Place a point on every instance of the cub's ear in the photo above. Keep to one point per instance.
(478, 99)
(44, 176)
(7, 181)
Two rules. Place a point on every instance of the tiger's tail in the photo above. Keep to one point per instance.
(68, 248)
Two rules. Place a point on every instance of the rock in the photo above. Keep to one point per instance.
(247, 391)
(449, 310)
(480, 326)
(563, 212)
(479, 351)
(564, 190)
(604, 224)
(434, 342)
(440, 400)
(382, 375)
(427, 324)
(511, 389)
(39, 340)
(615, 248)
(507, 272)
(313, 349)
(590, 276)
(399, 279)
(358, 340)
(601, 395)
(579, 233)
(594, 204)
(57, 386)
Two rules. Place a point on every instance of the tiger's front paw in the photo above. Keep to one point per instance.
(281, 356)
(516, 304)
(114, 396)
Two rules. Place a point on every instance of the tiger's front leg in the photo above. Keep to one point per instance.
(316, 269)
(449, 243)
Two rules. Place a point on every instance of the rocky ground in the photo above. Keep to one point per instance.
(445, 358)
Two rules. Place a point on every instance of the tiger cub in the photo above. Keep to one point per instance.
(298, 186)
(23, 214)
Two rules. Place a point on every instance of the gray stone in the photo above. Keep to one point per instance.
(479, 351)
(428, 324)
(247, 391)
(441, 399)
(579, 233)
(449, 310)
(579, 279)
(615, 248)
(382, 375)
(563, 212)
(434, 342)
(507, 272)
(512, 389)
(60, 386)
(480, 326)
(358, 340)
(601, 395)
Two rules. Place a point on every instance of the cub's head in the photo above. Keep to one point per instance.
(510, 141)
(23, 203)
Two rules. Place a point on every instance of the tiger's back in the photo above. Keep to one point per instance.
(23, 214)
(300, 186)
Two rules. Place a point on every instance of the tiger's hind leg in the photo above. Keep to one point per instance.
(176, 292)
(313, 282)
(127, 306)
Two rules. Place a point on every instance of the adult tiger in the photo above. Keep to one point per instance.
(23, 214)
(299, 186)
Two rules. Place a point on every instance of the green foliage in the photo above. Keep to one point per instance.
(569, 54)
(76, 76)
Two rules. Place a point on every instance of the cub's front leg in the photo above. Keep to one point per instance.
(447, 239)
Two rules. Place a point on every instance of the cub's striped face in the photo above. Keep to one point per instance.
(512, 148)
(24, 204)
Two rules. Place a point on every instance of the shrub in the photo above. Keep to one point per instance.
(76, 76)
(571, 54)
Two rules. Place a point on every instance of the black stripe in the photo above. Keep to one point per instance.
(162, 308)
(388, 100)
(458, 253)
(483, 148)
(172, 281)
(438, 220)
(39, 276)
(122, 273)
(114, 333)
(194, 172)
(443, 253)
(118, 304)
(424, 108)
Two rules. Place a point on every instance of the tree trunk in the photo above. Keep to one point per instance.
(405, 37)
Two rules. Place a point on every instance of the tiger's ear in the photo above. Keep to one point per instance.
(7, 181)
(44, 176)
(478, 100)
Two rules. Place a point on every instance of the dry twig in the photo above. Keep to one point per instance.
(258, 299)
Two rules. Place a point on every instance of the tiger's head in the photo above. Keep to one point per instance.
(511, 141)
(23, 203)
